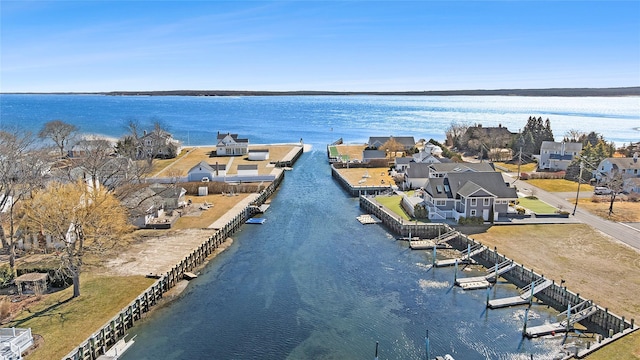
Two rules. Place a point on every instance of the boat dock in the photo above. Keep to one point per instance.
(439, 242)
(577, 314)
(525, 297)
(367, 219)
(483, 282)
(465, 259)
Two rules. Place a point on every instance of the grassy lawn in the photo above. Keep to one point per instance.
(514, 167)
(393, 203)
(591, 264)
(623, 211)
(559, 185)
(537, 206)
(64, 322)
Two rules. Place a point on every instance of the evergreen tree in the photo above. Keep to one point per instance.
(534, 133)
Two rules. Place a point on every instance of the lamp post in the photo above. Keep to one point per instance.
(578, 192)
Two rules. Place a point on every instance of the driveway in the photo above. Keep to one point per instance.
(626, 233)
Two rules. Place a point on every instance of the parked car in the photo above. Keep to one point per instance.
(601, 190)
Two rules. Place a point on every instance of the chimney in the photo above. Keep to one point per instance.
(216, 169)
(635, 157)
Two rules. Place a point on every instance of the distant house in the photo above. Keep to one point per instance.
(631, 185)
(441, 169)
(402, 163)
(87, 147)
(407, 142)
(206, 171)
(426, 156)
(258, 154)
(247, 170)
(478, 138)
(172, 197)
(158, 144)
(628, 167)
(231, 145)
(468, 194)
(556, 156)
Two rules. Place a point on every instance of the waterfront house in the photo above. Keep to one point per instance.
(628, 167)
(203, 171)
(154, 204)
(231, 145)
(258, 154)
(375, 157)
(157, 144)
(631, 185)
(556, 156)
(171, 197)
(89, 147)
(468, 194)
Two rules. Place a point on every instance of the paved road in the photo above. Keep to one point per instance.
(626, 233)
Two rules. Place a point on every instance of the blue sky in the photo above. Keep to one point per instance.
(78, 46)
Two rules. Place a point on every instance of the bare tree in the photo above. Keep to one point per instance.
(615, 183)
(454, 133)
(22, 168)
(392, 147)
(59, 132)
(83, 218)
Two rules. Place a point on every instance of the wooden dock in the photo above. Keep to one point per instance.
(525, 296)
(484, 281)
(426, 245)
(367, 219)
(465, 259)
(573, 315)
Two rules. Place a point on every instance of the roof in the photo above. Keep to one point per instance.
(418, 170)
(258, 150)
(624, 163)
(203, 166)
(233, 136)
(407, 141)
(373, 154)
(558, 146)
(403, 160)
(247, 167)
(32, 277)
(167, 192)
(492, 182)
(463, 167)
(435, 187)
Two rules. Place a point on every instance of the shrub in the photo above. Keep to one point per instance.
(472, 220)
(524, 176)
(521, 210)
(531, 197)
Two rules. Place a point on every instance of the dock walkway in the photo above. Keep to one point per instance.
(465, 259)
(525, 296)
(484, 281)
(577, 314)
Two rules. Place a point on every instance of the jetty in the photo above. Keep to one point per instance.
(573, 315)
(466, 257)
(525, 297)
(484, 281)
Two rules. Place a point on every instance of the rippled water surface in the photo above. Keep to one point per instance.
(313, 283)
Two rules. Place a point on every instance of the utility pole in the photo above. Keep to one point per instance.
(578, 192)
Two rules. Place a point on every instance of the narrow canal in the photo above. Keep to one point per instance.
(313, 283)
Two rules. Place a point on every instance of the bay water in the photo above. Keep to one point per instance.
(312, 282)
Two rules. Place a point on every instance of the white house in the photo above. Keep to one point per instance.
(557, 156)
(206, 171)
(258, 154)
(231, 145)
(426, 156)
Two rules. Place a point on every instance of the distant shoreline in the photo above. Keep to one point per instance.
(556, 92)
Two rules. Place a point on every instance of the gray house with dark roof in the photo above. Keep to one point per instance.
(468, 194)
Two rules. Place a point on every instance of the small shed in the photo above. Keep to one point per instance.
(36, 282)
(247, 170)
(258, 154)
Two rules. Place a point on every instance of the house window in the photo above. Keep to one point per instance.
(441, 202)
(474, 202)
(473, 212)
(485, 202)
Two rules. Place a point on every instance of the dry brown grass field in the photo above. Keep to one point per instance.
(623, 211)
